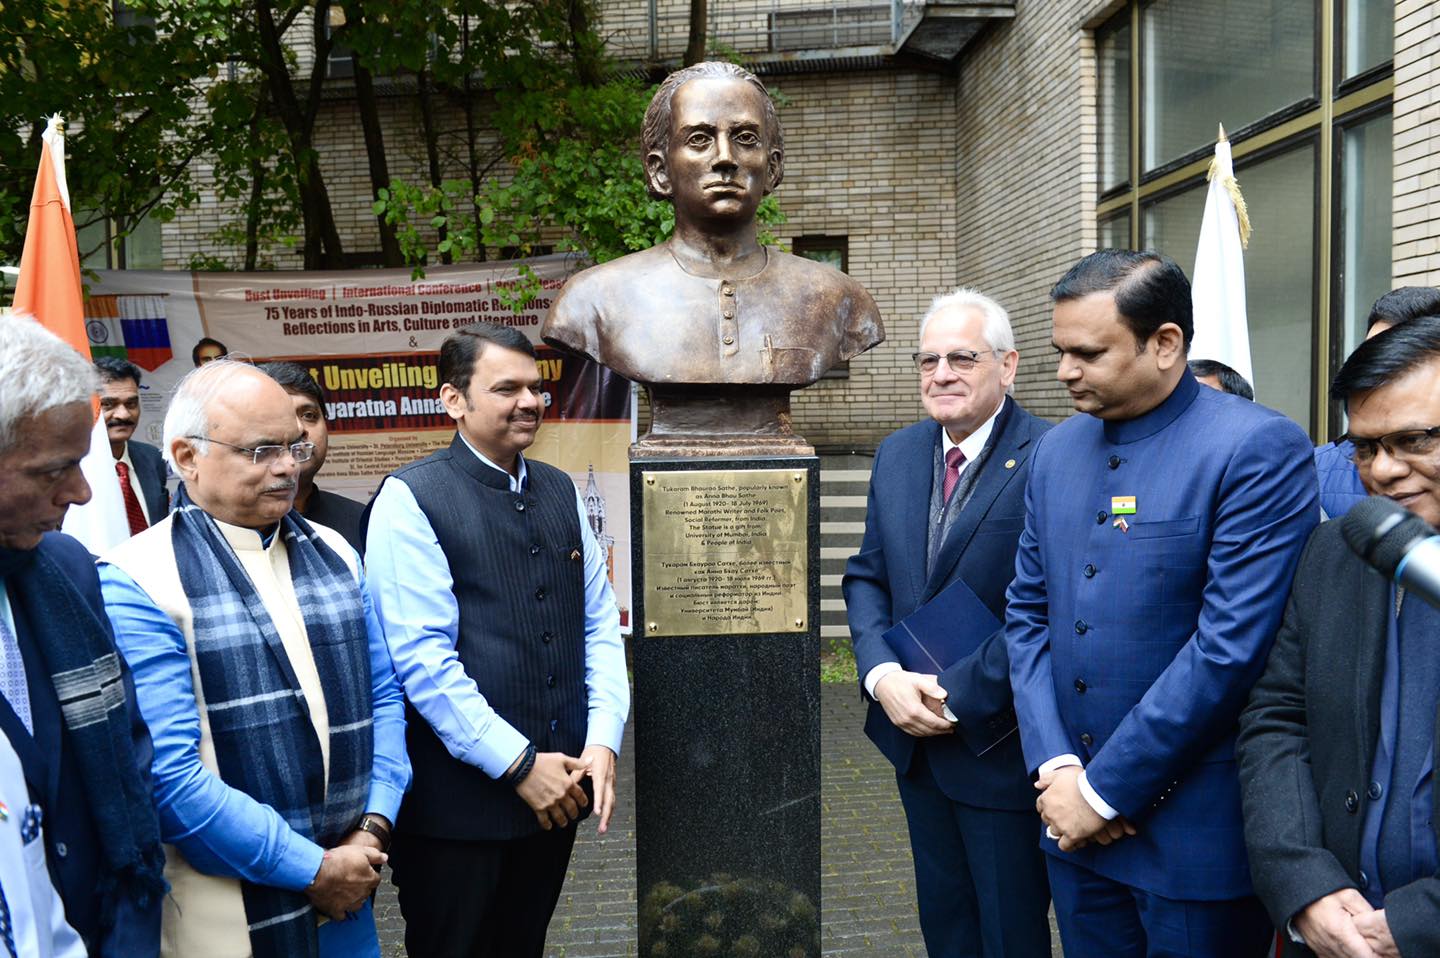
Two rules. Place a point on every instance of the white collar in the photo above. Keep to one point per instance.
(517, 482)
(973, 444)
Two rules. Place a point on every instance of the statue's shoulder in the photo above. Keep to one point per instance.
(576, 314)
(837, 294)
(603, 278)
(823, 279)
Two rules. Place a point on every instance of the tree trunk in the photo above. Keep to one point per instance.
(257, 180)
(695, 47)
(585, 46)
(472, 156)
(432, 144)
(375, 153)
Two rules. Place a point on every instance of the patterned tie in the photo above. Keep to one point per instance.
(13, 684)
(133, 512)
(7, 930)
(954, 459)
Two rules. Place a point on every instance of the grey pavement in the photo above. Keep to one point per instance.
(867, 879)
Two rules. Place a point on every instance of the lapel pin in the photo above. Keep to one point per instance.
(1122, 505)
(574, 555)
(1121, 524)
(1009, 463)
(4, 812)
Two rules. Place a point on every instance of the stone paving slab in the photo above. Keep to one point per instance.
(867, 877)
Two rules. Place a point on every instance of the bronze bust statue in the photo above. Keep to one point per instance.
(718, 328)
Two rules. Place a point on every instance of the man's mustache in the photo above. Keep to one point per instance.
(285, 486)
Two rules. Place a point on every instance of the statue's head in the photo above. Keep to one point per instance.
(712, 143)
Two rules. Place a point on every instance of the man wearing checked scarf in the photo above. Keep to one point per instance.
(264, 677)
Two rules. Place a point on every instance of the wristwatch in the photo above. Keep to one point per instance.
(375, 825)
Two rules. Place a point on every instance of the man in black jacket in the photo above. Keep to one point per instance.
(1337, 745)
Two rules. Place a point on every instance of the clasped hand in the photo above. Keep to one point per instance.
(1066, 814)
(348, 874)
(1344, 925)
(914, 702)
(552, 789)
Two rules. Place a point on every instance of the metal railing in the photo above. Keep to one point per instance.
(657, 29)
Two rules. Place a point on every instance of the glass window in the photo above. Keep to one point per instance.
(830, 250)
(1115, 231)
(92, 237)
(1368, 34)
(1172, 225)
(1114, 65)
(143, 249)
(1234, 61)
(1363, 260)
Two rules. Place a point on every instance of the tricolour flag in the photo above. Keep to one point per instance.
(1217, 288)
(49, 285)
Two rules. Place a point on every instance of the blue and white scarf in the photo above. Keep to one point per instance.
(265, 744)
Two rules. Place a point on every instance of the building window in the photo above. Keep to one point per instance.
(832, 251)
(1310, 129)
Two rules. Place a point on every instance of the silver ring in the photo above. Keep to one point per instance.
(1050, 833)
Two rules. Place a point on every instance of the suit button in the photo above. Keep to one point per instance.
(1088, 571)
(1080, 686)
(540, 592)
(547, 637)
(61, 850)
(535, 550)
(1374, 791)
(1113, 462)
(1100, 517)
(550, 681)
(1086, 739)
(1352, 801)
(519, 505)
(1081, 627)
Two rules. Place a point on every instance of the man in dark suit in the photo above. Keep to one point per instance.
(1337, 746)
(139, 466)
(340, 513)
(1161, 533)
(86, 761)
(946, 504)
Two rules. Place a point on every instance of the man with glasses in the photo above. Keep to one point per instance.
(945, 512)
(1337, 745)
(263, 674)
(1161, 532)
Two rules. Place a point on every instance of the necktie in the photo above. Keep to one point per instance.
(133, 512)
(13, 684)
(954, 459)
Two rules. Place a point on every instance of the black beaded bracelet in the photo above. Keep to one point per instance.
(527, 763)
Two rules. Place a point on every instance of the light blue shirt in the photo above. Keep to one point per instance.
(221, 830)
(411, 585)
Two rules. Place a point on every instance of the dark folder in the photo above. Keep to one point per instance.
(942, 631)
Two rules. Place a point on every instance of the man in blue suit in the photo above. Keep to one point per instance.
(947, 503)
(138, 465)
(1161, 533)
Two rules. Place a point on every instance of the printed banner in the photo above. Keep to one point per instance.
(371, 339)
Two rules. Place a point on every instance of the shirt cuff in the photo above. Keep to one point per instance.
(605, 729)
(385, 800)
(299, 865)
(873, 677)
(1102, 808)
(497, 749)
(1059, 761)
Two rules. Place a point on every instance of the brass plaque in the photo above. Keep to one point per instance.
(725, 551)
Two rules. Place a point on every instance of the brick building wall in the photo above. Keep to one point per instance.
(1416, 257)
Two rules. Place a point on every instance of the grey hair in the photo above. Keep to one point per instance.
(188, 414)
(998, 334)
(655, 131)
(38, 371)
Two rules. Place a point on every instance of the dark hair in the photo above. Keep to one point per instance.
(1404, 304)
(1387, 356)
(655, 130)
(113, 369)
(461, 348)
(206, 341)
(1150, 290)
(296, 379)
(1230, 381)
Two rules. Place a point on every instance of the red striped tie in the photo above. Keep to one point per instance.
(954, 459)
(133, 512)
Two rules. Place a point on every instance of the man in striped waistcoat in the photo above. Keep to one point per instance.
(263, 674)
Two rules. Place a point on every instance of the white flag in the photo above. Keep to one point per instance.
(101, 523)
(1217, 288)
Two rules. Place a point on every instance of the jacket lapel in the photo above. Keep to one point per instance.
(917, 467)
(1012, 443)
(1373, 615)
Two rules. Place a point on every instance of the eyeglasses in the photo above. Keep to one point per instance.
(1407, 444)
(959, 360)
(264, 455)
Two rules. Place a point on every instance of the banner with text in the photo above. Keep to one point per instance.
(371, 338)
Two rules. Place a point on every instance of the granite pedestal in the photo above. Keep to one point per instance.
(727, 719)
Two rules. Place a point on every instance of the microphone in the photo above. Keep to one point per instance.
(1398, 543)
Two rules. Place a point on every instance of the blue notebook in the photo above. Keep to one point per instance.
(942, 631)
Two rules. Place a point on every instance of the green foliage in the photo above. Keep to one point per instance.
(726, 915)
(126, 89)
(837, 666)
